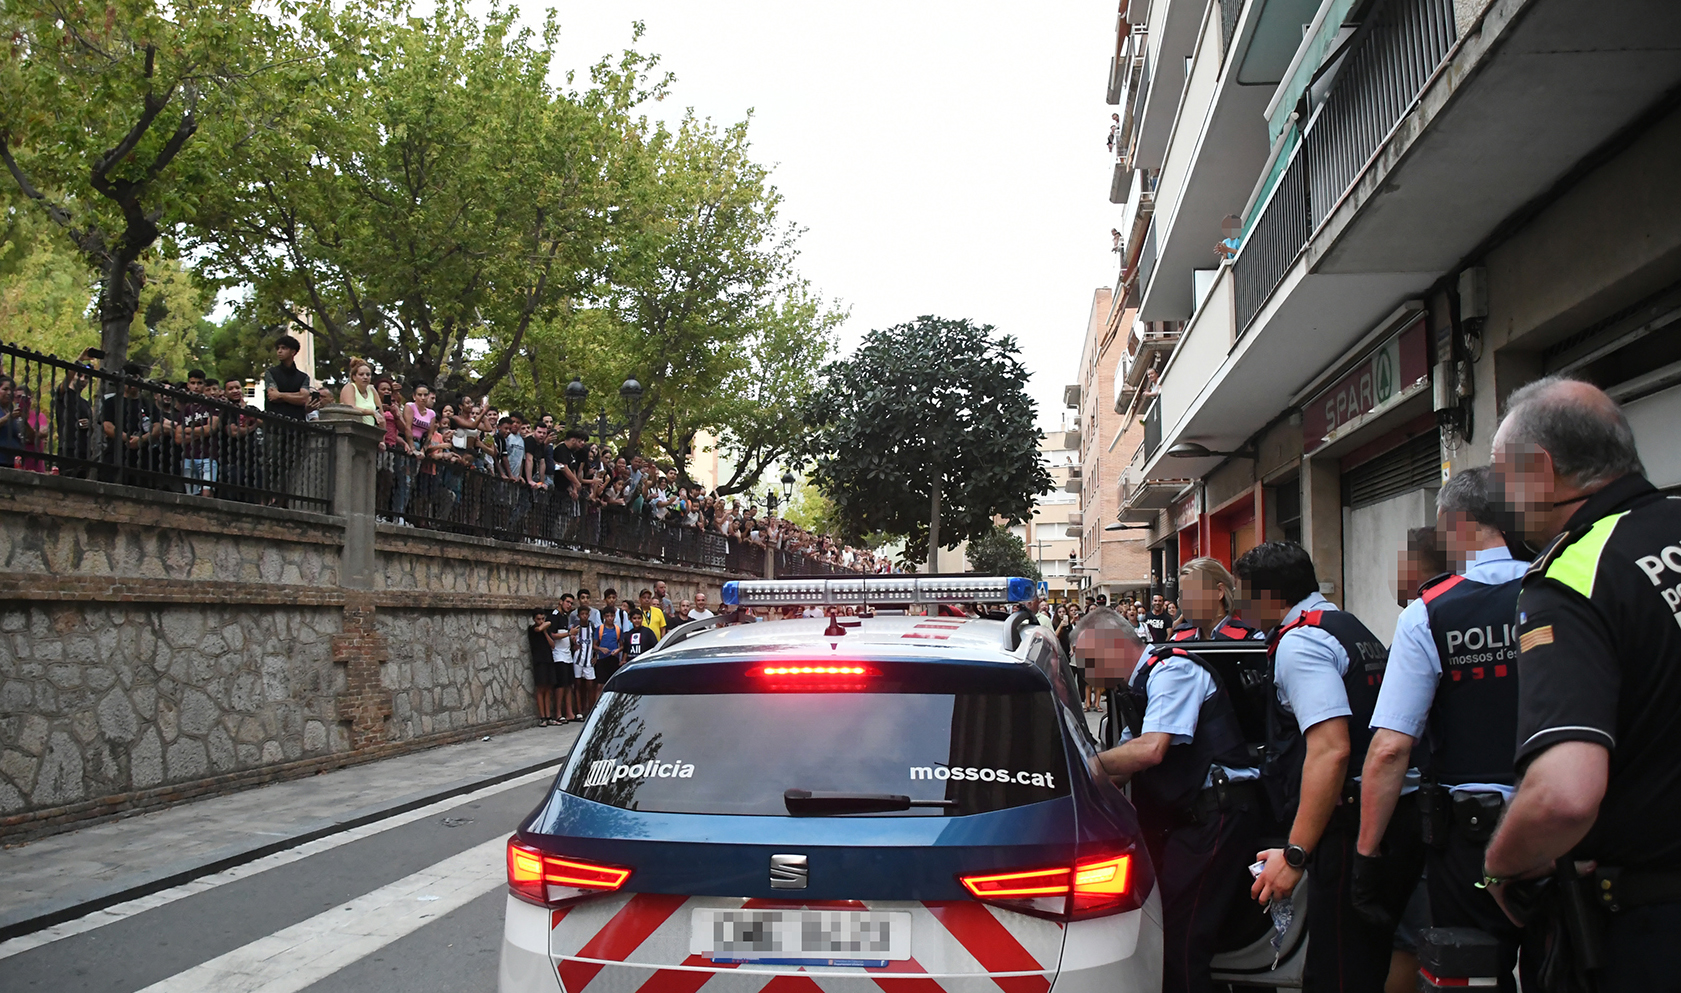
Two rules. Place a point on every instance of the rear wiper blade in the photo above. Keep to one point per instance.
(805, 803)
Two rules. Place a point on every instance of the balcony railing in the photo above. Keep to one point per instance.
(1273, 243)
(1385, 71)
(1153, 428)
(1391, 58)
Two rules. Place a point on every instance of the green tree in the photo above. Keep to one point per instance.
(755, 409)
(1000, 553)
(693, 282)
(435, 198)
(118, 118)
(926, 432)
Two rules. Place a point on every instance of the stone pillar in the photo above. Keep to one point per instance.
(355, 449)
(770, 562)
(1321, 481)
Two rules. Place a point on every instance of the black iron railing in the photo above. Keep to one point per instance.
(1401, 44)
(1273, 243)
(69, 419)
(446, 494)
(1392, 57)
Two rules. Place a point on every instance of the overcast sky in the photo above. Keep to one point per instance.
(945, 158)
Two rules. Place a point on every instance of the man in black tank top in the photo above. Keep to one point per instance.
(1326, 668)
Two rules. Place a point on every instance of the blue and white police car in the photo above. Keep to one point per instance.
(893, 804)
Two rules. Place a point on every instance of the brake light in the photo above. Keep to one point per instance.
(549, 880)
(811, 670)
(1088, 888)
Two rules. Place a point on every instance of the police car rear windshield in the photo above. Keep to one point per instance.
(737, 753)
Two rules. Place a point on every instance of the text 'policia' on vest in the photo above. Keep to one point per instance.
(1474, 717)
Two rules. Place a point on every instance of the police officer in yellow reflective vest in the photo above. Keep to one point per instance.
(1599, 693)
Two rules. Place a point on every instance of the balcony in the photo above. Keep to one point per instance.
(1148, 345)
(1071, 395)
(1418, 149)
(1220, 143)
(1071, 438)
(1172, 30)
(1075, 482)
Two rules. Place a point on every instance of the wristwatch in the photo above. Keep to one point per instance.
(1295, 856)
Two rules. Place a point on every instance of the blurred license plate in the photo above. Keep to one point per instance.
(801, 937)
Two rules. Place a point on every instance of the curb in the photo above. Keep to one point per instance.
(38, 921)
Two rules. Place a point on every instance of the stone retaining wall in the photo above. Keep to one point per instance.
(155, 646)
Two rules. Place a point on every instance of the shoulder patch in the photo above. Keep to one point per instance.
(1578, 563)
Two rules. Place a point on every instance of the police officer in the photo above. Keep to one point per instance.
(1452, 677)
(1210, 596)
(1325, 668)
(1599, 689)
(1193, 783)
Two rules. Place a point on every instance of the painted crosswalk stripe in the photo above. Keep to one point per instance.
(139, 905)
(305, 953)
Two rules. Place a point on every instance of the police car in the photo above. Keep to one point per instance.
(893, 804)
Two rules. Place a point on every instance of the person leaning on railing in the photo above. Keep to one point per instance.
(242, 452)
(72, 417)
(132, 423)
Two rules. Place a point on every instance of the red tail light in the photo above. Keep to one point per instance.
(1089, 888)
(549, 880)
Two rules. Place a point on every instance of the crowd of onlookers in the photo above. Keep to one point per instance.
(553, 481)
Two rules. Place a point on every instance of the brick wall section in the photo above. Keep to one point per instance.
(156, 647)
(365, 703)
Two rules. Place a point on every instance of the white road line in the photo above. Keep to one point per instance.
(305, 953)
(139, 905)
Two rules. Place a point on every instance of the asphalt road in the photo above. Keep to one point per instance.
(415, 908)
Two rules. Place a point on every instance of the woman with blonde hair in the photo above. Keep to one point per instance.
(1209, 597)
(359, 392)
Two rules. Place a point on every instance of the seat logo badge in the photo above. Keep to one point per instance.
(788, 872)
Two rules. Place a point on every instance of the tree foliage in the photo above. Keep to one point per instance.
(1000, 553)
(417, 189)
(433, 195)
(119, 118)
(933, 402)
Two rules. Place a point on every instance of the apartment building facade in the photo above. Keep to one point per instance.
(1112, 560)
(1353, 227)
(1051, 542)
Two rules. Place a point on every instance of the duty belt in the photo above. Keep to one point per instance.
(1624, 889)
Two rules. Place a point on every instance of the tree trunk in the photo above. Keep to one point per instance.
(934, 527)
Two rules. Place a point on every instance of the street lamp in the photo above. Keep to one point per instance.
(788, 485)
(630, 392)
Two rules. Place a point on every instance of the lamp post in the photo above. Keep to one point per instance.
(577, 394)
(770, 501)
(787, 485)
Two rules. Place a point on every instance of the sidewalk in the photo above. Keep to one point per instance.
(68, 875)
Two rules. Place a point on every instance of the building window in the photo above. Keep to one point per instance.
(1284, 510)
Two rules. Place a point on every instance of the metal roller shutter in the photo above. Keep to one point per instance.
(1413, 464)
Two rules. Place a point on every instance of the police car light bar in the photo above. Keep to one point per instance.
(879, 591)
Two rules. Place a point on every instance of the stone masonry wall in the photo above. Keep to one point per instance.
(155, 646)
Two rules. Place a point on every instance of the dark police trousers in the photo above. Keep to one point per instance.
(1643, 950)
(1455, 900)
(1344, 953)
(1201, 871)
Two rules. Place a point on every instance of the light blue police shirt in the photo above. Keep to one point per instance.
(1415, 667)
(1309, 666)
(1177, 689)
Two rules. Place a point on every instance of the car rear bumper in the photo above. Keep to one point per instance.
(1116, 954)
(525, 951)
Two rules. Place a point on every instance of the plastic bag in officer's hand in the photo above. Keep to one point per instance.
(1282, 911)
